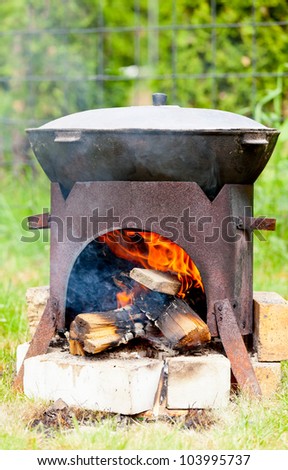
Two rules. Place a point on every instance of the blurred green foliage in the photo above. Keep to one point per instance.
(59, 57)
(62, 56)
(271, 255)
(54, 60)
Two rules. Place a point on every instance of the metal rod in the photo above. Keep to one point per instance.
(117, 78)
(213, 54)
(235, 348)
(254, 57)
(119, 29)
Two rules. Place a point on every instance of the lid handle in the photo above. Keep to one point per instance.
(159, 99)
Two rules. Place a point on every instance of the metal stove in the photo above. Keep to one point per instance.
(186, 174)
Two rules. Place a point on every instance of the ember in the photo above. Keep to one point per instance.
(124, 298)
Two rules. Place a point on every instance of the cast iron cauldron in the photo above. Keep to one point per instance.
(153, 143)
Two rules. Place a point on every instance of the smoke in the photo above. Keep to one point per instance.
(91, 286)
(98, 275)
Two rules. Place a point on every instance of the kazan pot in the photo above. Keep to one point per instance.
(153, 143)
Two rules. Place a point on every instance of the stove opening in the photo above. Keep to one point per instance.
(138, 276)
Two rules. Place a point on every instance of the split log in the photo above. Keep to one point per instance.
(75, 346)
(181, 327)
(178, 325)
(95, 332)
(177, 321)
(159, 281)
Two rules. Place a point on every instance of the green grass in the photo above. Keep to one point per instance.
(244, 424)
(21, 264)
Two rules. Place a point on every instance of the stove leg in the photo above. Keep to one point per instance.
(40, 342)
(235, 348)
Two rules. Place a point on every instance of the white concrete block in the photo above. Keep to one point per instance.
(20, 354)
(198, 382)
(119, 386)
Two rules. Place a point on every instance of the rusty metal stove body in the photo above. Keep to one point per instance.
(213, 226)
(207, 230)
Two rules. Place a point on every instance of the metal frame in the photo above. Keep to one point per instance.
(225, 263)
(224, 259)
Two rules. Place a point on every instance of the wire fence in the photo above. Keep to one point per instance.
(202, 54)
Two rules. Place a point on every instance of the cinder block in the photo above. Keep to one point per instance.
(119, 386)
(20, 354)
(268, 375)
(270, 326)
(36, 298)
(198, 382)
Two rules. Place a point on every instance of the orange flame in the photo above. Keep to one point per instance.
(153, 251)
(124, 298)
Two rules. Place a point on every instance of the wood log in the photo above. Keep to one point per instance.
(159, 281)
(75, 346)
(176, 325)
(98, 331)
(177, 321)
(180, 326)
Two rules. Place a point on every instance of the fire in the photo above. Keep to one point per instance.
(153, 251)
(124, 298)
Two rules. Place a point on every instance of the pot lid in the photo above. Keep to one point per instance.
(157, 117)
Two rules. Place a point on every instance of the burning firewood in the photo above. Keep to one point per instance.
(178, 322)
(157, 280)
(175, 319)
(95, 332)
(181, 327)
(147, 301)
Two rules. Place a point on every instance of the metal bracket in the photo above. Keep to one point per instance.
(39, 221)
(40, 342)
(256, 223)
(235, 348)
